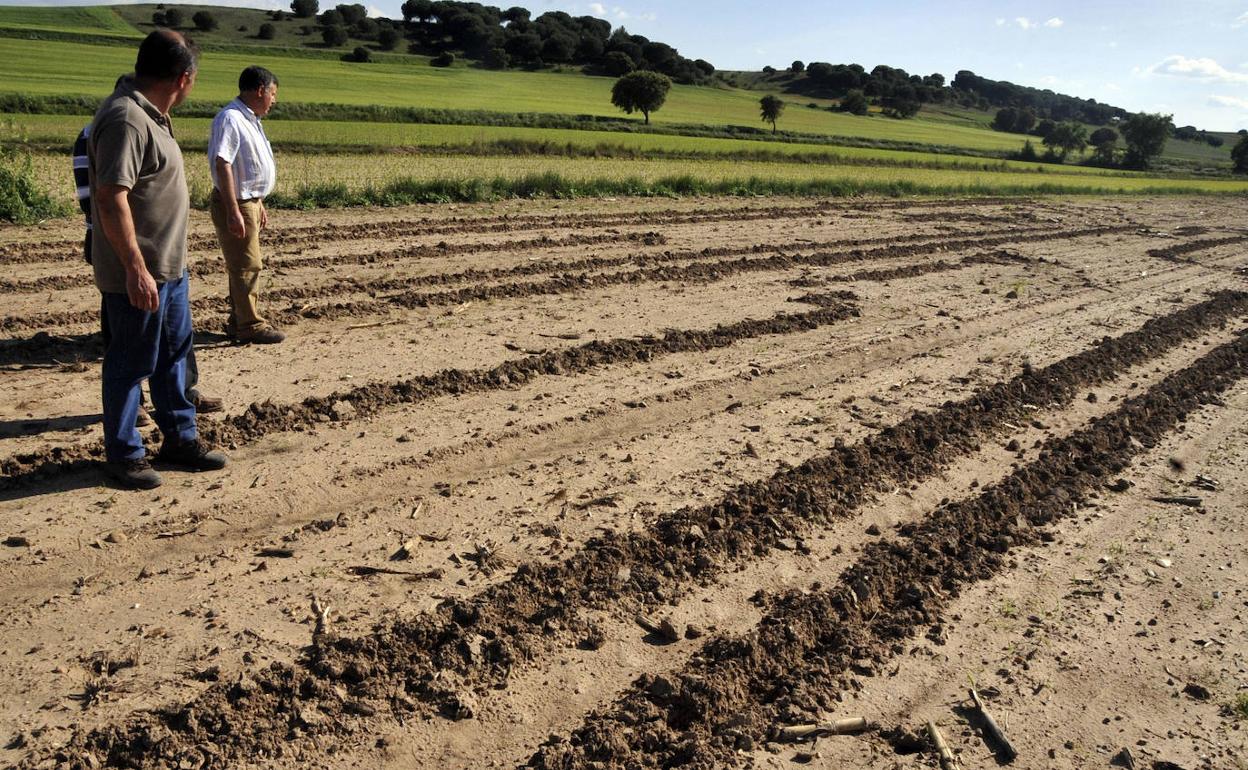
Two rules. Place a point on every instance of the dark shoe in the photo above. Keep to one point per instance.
(265, 335)
(143, 419)
(133, 474)
(205, 404)
(192, 455)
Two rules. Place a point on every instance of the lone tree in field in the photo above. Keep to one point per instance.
(771, 108)
(1239, 155)
(174, 18)
(203, 20)
(1104, 141)
(1146, 135)
(267, 31)
(642, 91)
(1066, 138)
(305, 9)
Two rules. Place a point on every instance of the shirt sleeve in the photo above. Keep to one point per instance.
(228, 139)
(118, 154)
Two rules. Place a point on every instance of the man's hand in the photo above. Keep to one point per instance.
(235, 223)
(264, 216)
(141, 289)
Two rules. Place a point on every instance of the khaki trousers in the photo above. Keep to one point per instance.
(243, 264)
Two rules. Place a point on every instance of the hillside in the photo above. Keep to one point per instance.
(314, 73)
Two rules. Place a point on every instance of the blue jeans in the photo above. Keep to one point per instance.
(152, 347)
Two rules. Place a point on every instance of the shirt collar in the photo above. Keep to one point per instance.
(127, 87)
(242, 107)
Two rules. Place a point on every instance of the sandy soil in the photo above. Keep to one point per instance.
(856, 454)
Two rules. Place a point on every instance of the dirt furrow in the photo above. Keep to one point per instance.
(699, 272)
(941, 242)
(83, 278)
(475, 643)
(1176, 252)
(788, 671)
(69, 249)
(262, 419)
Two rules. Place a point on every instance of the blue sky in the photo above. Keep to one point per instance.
(1189, 59)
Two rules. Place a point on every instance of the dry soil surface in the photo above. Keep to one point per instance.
(639, 483)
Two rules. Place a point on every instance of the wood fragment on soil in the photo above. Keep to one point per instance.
(1005, 749)
(947, 760)
(846, 726)
(1190, 501)
(363, 570)
(276, 553)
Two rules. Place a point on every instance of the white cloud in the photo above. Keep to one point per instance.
(1054, 23)
(1241, 21)
(1000, 22)
(1232, 102)
(1206, 70)
(624, 15)
(598, 9)
(1049, 80)
(1024, 22)
(1113, 44)
(375, 12)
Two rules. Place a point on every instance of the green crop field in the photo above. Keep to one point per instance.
(53, 68)
(50, 131)
(299, 173)
(89, 20)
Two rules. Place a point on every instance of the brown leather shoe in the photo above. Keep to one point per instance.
(265, 335)
(206, 404)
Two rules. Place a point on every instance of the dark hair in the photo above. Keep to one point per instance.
(255, 77)
(165, 55)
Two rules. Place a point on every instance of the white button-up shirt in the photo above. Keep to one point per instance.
(238, 138)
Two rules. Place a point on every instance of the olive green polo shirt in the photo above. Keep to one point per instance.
(132, 145)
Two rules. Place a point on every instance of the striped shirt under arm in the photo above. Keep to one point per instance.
(82, 178)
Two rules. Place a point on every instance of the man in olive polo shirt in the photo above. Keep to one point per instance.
(140, 205)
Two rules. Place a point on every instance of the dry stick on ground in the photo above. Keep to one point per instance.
(947, 760)
(1188, 500)
(838, 727)
(1006, 749)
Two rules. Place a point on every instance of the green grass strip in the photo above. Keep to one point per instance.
(553, 185)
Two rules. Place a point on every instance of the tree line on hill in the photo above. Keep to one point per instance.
(500, 39)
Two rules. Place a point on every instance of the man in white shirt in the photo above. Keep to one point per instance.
(243, 172)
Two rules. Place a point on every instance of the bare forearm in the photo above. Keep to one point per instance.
(225, 185)
(117, 222)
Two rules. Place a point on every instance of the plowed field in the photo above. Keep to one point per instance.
(639, 483)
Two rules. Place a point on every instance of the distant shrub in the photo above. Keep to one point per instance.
(204, 21)
(361, 54)
(21, 199)
(242, 27)
(1028, 153)
(496, 59)
(855, 103)
(388, 38)
(174, 18)
(334, 36)
(1239, 155)
(444, 59)
(267, 31)
(158, 18)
